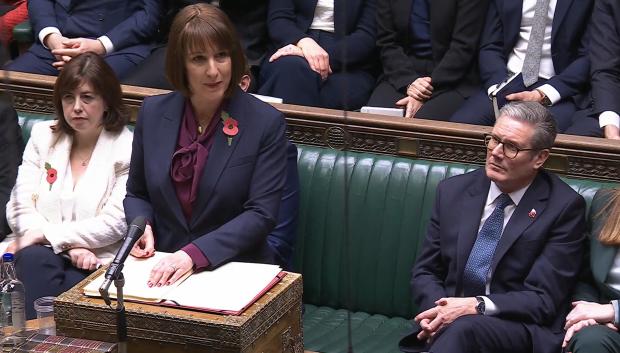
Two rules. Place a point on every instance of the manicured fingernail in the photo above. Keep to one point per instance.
(149, 284)
(168, 283)
(159, 284)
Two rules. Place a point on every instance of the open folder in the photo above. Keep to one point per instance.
(229, 289)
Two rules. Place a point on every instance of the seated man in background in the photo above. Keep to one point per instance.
(605, 57)
(544, 41)
(249, 18)
(119, 30)
(493, 274)
(11, 146)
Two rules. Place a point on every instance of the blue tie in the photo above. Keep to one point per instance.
(479, 262)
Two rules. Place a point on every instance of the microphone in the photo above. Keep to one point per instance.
(134, 232)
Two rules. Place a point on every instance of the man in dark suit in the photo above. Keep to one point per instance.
(605, 57)
(431, 48)
(555, 66)
(120, 30)
(11, 146)
(503, 248)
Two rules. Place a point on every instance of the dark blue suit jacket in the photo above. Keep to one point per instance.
(355, 28)
(130, 25)
(569, 43)
(535, 264)
(605, 56)
(240, 189)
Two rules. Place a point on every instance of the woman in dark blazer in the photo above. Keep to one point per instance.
(430, 47)
(592, 325)
(324, 52)
(208, 161)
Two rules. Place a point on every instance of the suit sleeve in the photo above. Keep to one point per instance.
(358, 46)
(242, 233)
(491, 58)
(605, 58)
(281, 23)
(463, 50)
(139, 27)
(137, 201)
(41, 14)
(553, 273)
(10, 158)
(429, 272)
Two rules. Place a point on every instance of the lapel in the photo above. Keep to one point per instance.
(166, 140)
(218, 158)
(58, 158)
(561, 10)
(471, 208)
(534, 198)
(511, 13)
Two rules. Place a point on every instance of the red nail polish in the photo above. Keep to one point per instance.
(159, 284)
(150, 284)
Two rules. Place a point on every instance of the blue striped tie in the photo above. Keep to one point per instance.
(479, 262)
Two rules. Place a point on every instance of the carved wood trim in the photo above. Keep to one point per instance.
(574, 156)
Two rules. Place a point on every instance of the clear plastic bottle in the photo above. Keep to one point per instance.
(13, 313)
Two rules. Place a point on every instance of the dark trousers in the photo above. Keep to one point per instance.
(291, 79)
(442, 104)
(595, 339)
(585, 123)
(121, 62)
(478, 110)
(478, 334)
(151, 71)
(44, 274)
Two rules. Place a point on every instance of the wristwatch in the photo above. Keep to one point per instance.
(480, 307)
(545, 100)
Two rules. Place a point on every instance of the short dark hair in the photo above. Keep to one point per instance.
(92, 69)
(198, 27)
(533, 113)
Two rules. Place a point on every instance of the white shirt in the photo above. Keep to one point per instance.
(324, 16)
(609, 118)
(489, 206)
(517, 56)
(107, 43)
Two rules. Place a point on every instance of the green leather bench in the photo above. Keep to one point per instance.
(362, 221)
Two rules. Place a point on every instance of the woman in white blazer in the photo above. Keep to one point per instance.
(66, 209)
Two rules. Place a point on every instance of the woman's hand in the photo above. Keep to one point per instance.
(169, 269)
(420, 89)
(582, 310)
(411, 105)
(31, 237)
(286, 50)
(316, 56)
(145, 246)
(84, 259)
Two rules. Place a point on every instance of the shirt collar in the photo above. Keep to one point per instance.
(515, 196)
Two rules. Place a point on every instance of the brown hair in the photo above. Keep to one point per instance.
(610, 233)
(198, 27)
(91, 68)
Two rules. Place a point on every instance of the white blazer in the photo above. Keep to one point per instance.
(89, 216)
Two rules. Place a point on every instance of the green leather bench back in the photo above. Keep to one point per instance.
(355, 249)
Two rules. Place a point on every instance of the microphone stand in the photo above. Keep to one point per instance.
(121, 317)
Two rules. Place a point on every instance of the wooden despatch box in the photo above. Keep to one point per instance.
(272, 324)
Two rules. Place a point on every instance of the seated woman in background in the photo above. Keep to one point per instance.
(208, 165)
(66, 207)
(325, 53)
(592, 325)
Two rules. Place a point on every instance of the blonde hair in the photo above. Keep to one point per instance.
(610, 233)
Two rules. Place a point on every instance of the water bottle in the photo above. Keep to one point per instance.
(13, 313)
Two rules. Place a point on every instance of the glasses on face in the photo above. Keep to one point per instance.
(510, 150)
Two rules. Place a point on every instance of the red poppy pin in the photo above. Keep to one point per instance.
(532, 213)
(230, 128)
(52, 174)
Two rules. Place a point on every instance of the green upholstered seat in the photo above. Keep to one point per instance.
(22, 33)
